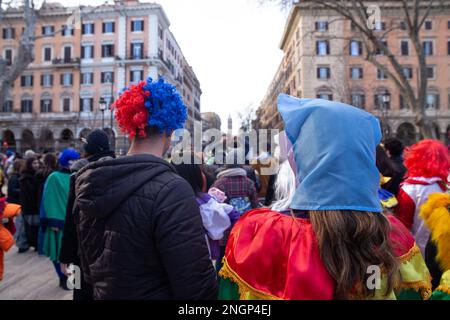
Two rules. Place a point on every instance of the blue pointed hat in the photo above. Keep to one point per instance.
(334, 148)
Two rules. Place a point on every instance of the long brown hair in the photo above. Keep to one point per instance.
(350, 242)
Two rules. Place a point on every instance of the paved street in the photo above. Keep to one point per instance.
(30, 277)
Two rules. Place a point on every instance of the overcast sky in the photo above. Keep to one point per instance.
(232, 46)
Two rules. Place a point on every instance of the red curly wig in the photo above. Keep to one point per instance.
(428, 158)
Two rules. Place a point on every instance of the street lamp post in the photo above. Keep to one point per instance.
(386, 101)
(102, 106)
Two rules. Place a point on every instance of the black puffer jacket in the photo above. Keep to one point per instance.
(140, 231)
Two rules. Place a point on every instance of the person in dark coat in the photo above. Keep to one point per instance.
(29, 200)
(96, 148)
(394, 148)
(13, 183)
(140, 230)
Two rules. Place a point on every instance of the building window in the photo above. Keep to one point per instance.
(325, 96)
(7, 106)
(359, 100)
(107, 77)
(428, 48)
(381, 74)
(67, 54)
(136, 75)
(26, 81)
(432, 100)
(408, 72)
(428, 25)
(137, 50)
(107, 50)
(26, 106)
(381, 102)
(8, 33)
(46, 105)
(355, 48)
(67, 31)
(8, 57)
(160, 32)
(108, 27)
(356, 73)
(87, 52)
(87, 78)
(88, 29)
(323, 73)
(87, 104)
(66, 79)
(402, 25)
(403, 103)
(379, 51)
(321, 25)
(46, 80)
(66, 104)
(322, 47)
(430, 72)
(404, 48)
(137, 25)
(379, 26)
(48, 30)
(47, 54)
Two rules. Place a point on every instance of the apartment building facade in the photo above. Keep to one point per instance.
(324, 58)
(79, 70)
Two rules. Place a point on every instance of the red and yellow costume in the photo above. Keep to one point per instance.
(275, 256)
(7, 212)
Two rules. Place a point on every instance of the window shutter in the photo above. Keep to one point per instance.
(83, 29)
(131, 76)
(31, 78)
(113, 27)
(43, 30)
(61, 76)
(317, 25)
(82, 51)
(142, 75)
(93, 28)
(13, 33)
(22, 81)
(51, 80)
(327, 43)
(42, 80)
(91, 104)
(132, 25)
(318, 73)
(437, 101)
(317, 47)
(71, 79)
(103, 27)
(328, 73)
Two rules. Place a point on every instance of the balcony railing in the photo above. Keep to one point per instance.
(66, 61)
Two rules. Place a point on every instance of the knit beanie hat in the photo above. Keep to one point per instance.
(96, 142)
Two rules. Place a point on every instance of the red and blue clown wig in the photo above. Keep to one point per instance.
(149, 103)
(428, 159)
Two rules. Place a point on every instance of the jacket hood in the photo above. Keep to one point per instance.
(104, 185)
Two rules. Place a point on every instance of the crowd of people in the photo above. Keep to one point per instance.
(342, 204)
